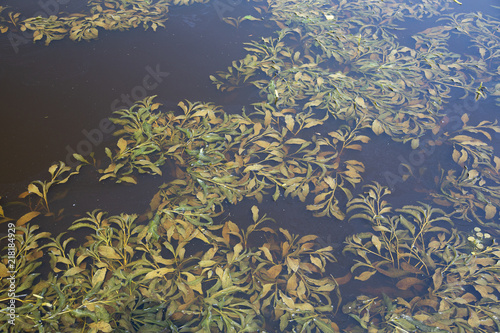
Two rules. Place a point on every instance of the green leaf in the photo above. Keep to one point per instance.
(128, 179)
(276, 194)
(251, 18)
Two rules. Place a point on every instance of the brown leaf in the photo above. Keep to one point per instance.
(344, 279)
(409, 268)
(490, 211)
(473, 318)
(274, 271)
(408, 282)
(26, 218)
(437, 278)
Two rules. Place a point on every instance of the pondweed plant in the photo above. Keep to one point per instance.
(344, 61)
(125, 280)
(221, 157)
(142, 277)
(331, 65)
(102, 14)
(401, 242)
(454, 282)
(60, 174)
(139, 277)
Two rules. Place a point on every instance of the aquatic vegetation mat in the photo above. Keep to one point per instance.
(414, 246)
(125, 278)
(332, 79)
(107, 15)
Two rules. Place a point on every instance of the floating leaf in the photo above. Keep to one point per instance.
(377, 127)
(255, 213)
(490, 211)
(26, 218)
(365, 275)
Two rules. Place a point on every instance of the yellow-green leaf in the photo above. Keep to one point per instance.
(108, 252)
(73, 271)
(287, 300)
(377, 127)
(32, 188)
(255, 213)
(365, 275)
(159, 273)
(122, 144)
(99, 276)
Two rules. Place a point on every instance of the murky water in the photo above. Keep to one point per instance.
(56, 101)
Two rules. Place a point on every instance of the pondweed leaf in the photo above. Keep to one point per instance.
(26, 218)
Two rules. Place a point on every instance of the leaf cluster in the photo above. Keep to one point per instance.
(103, 14)
(221, 157)
(411, 246)
(126, 279)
